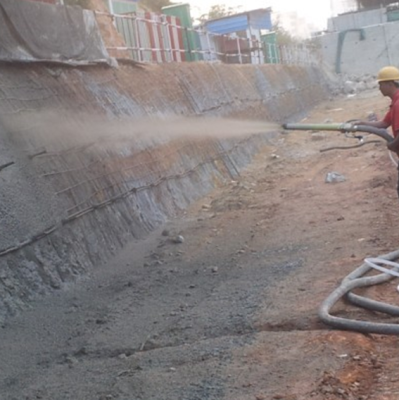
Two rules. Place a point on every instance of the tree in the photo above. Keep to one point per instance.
(155, 5)
(283, 37)
(219, 11)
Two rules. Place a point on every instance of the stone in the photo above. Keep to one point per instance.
(334, 177)
(178, 239)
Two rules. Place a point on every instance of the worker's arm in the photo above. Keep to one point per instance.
(376, 124)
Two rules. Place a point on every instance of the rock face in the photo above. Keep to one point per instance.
(353, 85)
(95, 157)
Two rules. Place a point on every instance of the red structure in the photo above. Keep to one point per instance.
(157, 26)
(152, 37)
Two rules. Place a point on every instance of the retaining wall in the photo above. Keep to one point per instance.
(83, 171)
(360, 51)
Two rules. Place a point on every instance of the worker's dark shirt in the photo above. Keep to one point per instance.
(392, 116)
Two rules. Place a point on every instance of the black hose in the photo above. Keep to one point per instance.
(349, 147)
(376, 131)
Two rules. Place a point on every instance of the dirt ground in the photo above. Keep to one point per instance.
(229, 309)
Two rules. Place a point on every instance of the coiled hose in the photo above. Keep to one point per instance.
(356, 280)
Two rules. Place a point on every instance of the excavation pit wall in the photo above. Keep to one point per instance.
(93, 158)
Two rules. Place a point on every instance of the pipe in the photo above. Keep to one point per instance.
(318, 127)
(355, 280)
(340, 127)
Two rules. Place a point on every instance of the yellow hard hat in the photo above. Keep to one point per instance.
(389, 73)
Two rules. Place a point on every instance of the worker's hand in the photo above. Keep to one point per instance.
(349, 126)
(354, 122)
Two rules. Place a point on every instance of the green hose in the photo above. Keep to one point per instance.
(319, 127)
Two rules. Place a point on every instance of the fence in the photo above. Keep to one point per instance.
(151, 37)
(157, 38)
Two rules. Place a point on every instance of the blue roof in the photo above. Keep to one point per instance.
(256, 19)
(227, 25)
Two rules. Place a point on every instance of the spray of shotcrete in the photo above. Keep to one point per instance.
(60, 131)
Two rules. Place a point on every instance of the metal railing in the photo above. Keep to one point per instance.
(157, 38)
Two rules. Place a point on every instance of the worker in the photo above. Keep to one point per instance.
(388, 81)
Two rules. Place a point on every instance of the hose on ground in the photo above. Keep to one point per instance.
(356, 280)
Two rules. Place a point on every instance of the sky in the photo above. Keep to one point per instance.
(315, 12)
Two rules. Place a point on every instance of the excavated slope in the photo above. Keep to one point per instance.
(95, 157)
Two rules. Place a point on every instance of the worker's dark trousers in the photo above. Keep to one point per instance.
(397, 187)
